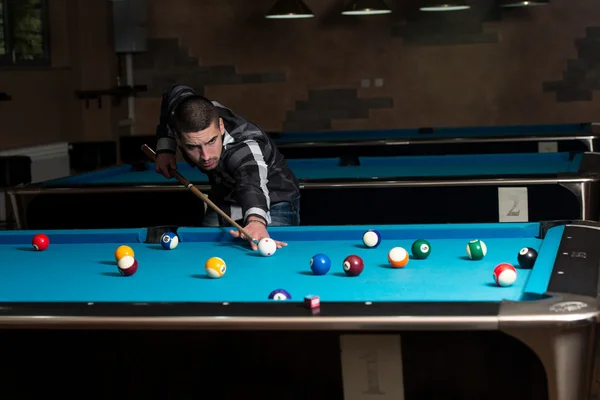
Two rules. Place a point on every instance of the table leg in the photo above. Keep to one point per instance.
(567, 354)
(588, 196)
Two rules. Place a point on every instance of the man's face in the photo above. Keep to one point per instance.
(204, 147)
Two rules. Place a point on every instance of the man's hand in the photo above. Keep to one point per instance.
(165, 162)
(257, 231)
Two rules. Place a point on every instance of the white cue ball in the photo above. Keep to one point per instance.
(267, 247)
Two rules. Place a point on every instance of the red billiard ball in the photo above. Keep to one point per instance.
(353, 265)
(40, 242)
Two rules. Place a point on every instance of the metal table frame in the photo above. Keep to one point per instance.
(585, 187)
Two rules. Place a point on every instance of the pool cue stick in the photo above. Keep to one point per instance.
(150, 153)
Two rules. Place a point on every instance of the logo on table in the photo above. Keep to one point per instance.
(578, 254)
(568, 306)
(514, 211)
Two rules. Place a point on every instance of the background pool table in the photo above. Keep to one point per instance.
(75, 284)
(363, 190)
(579, 137)
(440, 140)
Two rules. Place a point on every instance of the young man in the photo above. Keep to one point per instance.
(250, 180)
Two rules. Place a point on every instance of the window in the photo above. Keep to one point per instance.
(23, 32)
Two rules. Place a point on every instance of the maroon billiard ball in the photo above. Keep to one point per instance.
(40, 242)
(353, 265)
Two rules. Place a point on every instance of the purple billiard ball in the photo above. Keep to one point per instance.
(371, 238)
(320, 264)
(280, 294)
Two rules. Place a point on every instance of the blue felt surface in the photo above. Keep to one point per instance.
(527, 164)
(469, 132)
(79, 265)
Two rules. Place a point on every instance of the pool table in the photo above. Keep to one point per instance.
(552, 308)
(335, 191)
(429, 141)
(570, 137)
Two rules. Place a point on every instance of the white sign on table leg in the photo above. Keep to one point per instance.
(548, 147)
(372, 367)
(512, 204)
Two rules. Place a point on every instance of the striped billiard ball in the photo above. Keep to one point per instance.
(476, 249)
(398, 257)
(371, 238)
(505, 274)
(127, 265)
(169, 241)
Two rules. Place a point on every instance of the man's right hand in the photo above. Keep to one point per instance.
(165, 162)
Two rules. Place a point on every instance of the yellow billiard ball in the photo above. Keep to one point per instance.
(215, 267)
(123, 251)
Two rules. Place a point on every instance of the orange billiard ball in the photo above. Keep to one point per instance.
(398, 257)
(123, 251)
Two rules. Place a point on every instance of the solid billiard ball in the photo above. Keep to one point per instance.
(421, 249)
(280, 294)
(353, 265)
(476, 249)
(169, 241)
(40, 242)
(371, 238)
(267, 247)
(505, 274)
(127, 265)
(123, 251)
(320, 264)
(398, 257)
(215, 267)
(527, 257)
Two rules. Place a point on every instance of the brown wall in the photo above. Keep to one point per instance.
(472, 68)
(475, 68)
(44, 108)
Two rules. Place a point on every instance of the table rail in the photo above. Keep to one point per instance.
(585, 188)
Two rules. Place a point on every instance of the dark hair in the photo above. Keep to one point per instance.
(194, 114)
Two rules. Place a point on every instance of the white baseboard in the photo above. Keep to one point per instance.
(49, 161)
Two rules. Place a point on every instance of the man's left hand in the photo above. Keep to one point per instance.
(257, 231)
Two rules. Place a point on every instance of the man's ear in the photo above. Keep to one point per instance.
(221, 126)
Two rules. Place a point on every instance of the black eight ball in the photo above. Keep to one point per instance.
(527, 257)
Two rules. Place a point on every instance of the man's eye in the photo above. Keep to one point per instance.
(211, 141)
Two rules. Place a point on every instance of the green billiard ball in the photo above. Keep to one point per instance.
(476, 249)
(421, 249)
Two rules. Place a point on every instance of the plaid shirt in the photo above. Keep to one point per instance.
(251, 175)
